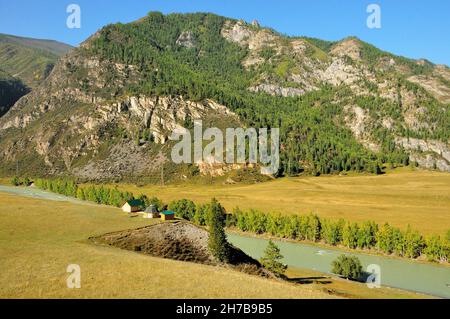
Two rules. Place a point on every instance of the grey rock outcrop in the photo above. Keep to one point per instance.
(186, 39)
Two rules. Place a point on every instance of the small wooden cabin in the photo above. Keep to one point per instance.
(151, 212)
(132, 206)
(167, 215)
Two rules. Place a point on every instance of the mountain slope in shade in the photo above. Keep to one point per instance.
(11, 89)
(24, 64)
(29, 60)
(108, 107)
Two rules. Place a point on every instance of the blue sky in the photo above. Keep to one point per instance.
(416, 29)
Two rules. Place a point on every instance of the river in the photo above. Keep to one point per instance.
(399, 273)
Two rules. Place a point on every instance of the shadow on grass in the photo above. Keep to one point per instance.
(310, 280)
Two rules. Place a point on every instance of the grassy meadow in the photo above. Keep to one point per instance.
(400, 197)
(40, 238)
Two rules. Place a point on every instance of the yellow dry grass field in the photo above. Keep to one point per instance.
(39, 239)
(400, 197)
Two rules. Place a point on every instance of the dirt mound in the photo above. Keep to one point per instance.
(180, 241)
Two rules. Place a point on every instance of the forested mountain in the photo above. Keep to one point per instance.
(24, 64)
(107, 108)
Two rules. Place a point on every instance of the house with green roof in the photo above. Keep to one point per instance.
(168, 215)
(132, 206)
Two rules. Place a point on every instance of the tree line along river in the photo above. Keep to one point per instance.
(399, 273)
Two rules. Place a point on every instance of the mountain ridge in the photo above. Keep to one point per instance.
(351, 107)
(53, 46)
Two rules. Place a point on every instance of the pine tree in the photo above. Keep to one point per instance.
(217, 242)
(272, 259)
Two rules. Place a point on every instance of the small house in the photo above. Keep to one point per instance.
(151, 212)
(132, 206)
(167, 215)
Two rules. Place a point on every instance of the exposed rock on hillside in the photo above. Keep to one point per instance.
(186, 39)
(107, 108)
(359, 123)
(429, 154)
(434, 85)
(92, 135)
(277, 90)
(349, 47)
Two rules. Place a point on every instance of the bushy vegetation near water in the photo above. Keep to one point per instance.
(368, 235)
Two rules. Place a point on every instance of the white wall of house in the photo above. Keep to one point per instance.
(127, 208)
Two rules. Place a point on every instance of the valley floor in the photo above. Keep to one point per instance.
(400, 197)
(40, 238)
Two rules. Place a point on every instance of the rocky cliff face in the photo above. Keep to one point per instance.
(88, 120)
(77, 125)
(299, 67)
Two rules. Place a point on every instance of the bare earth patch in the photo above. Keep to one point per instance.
(181, 241)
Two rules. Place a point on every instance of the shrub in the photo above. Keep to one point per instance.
(314, 227)
(15, 181)
(290, 226)
(26, 181)
(332, 231)
(367, 235)
(158, 204)
(230, 220)
(184, 208)
(200, 216)
(241, 221)
(385, 239)
(350, 235)
(348, 267)
(413, 244)
(437, 249)
(256, 221)
(273, 223)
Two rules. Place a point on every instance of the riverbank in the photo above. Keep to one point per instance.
(39, 239)
(347, 288)
(34, 192)
(31, 192)
(396, 273)
(343, 249)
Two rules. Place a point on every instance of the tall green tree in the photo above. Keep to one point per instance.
(217, 242)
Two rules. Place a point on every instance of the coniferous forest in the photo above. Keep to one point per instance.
(310, 124)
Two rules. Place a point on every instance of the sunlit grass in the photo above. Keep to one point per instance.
(401, 197)
(39, 239)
